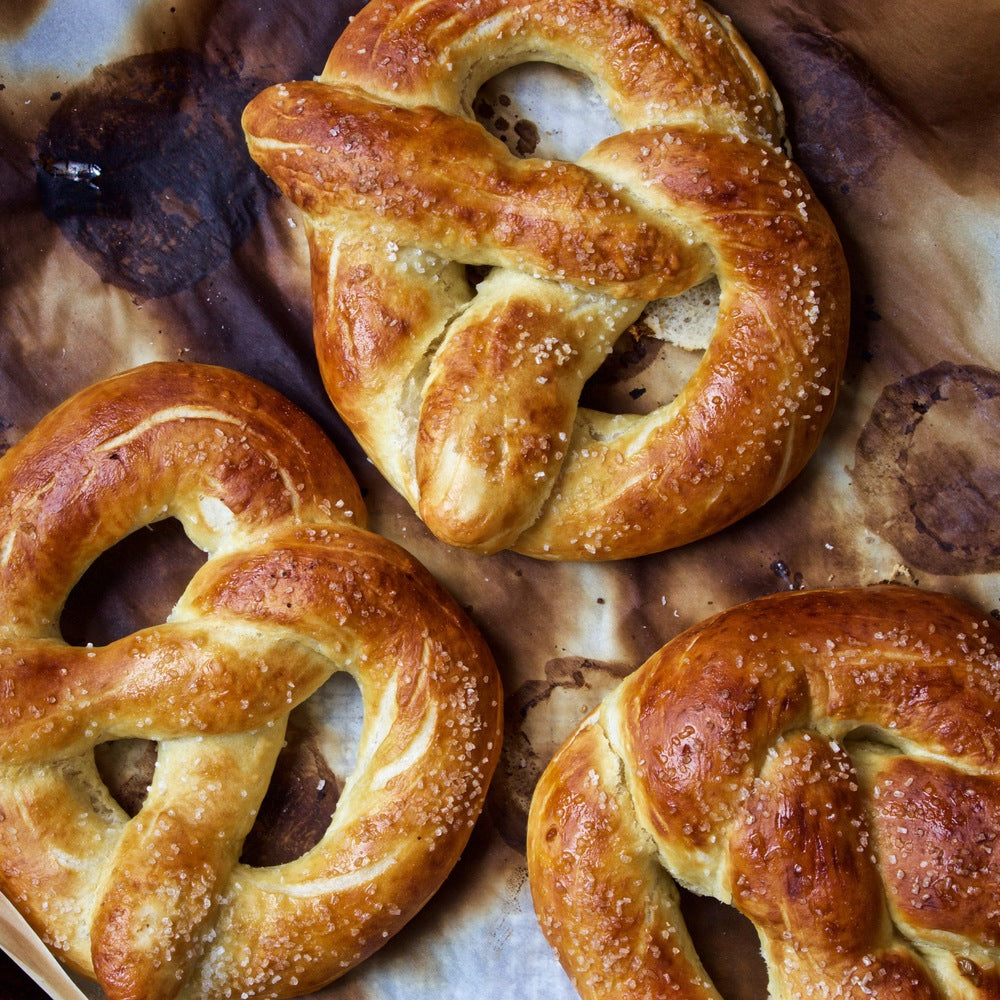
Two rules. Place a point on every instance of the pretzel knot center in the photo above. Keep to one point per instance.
(468, 398)
(294, 589)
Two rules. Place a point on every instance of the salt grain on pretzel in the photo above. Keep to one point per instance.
(468, 400)
(159, 905)
(825, 761)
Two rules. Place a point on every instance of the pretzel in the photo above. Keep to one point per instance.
(825, 761)
(294, 589)
(467, 400)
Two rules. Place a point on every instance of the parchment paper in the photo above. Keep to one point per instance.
(133, 227)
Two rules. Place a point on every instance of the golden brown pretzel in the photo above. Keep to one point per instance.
(468, 401)
(827, 762)
(294, 589)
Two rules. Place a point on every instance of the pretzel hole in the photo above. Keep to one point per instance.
(655, 358)
(727, 944)
(126, 767)
(320, 752)
(132, 585)
(541, 109)
(870, 738)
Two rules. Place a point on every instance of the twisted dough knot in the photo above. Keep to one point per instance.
(468, 401)
(294, 589)
(825, 761)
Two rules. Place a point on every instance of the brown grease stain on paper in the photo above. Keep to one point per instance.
(927, 469)
(141, 167)
(538, 717)
(299, 803)
(17, 16)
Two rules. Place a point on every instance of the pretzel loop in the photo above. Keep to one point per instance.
(826, 762)
(294, 589)
(467, 399)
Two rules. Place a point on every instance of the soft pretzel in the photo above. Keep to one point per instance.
(825, 761)
(468, 400)
(294, 589)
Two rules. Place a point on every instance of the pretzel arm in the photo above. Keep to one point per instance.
(598, 888)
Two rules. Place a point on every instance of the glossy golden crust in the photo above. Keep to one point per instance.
(825, 761)
(294, 589)
(468, 400)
